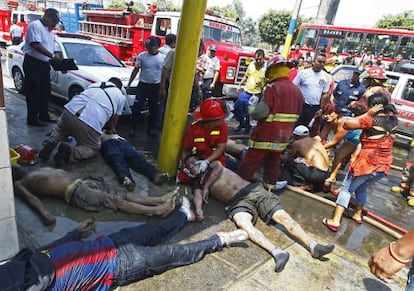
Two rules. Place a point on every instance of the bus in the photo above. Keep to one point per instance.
(315, 38)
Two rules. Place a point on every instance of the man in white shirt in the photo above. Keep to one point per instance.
(314, 84)
(16, 33)
(84, 117)
(149, 65)
(39, 51)
(211, 75)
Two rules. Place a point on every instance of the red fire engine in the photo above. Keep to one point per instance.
(22, 18)
(124, 32)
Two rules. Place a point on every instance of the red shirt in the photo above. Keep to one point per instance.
(294, 55)
(375, 154)
(202, 141)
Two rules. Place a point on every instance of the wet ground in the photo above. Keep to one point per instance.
(242, 268)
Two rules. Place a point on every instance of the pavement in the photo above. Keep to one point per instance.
(245, 267)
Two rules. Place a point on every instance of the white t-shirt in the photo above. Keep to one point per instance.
(97, 108)
(312, 84)
(37, 32)
(213, 65)
(16, 31)
(151, 67)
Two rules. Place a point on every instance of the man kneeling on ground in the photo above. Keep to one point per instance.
(83, 190)
(247, 201)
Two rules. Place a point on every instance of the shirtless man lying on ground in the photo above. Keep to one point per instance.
(82, 190)
(247, 201)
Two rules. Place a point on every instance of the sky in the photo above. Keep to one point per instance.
(350, 12)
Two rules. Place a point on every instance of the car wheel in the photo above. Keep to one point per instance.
(75, 90)
(18, 80)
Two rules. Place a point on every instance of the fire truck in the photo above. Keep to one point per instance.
(124, 33)
(22, 17)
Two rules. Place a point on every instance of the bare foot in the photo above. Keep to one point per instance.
(166, 208)
(199, 214)
(169, 195)
(48, 219)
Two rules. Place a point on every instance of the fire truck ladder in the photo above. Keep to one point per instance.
(114, 33)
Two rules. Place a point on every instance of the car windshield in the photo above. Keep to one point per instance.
(91, 55)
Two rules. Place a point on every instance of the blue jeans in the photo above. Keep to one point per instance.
(410, 280)
(241, 109)
(121, 155)
(357, 185)
(136, 260)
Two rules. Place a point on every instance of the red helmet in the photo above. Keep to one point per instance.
(210, 109)
(375, 72)
(277, 60)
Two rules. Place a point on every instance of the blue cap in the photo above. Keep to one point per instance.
(152, 41)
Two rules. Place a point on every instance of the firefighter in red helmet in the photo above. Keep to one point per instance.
(374, 81)
(206, 138)
(276, 114)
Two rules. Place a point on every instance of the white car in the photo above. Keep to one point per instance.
(95, 63)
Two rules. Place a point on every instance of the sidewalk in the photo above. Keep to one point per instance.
(240, 268)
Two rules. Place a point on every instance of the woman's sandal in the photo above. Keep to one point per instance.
(331, 227)
(348, 214)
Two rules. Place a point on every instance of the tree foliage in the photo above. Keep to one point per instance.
(404, 20)
(274, 26)
(119, 4)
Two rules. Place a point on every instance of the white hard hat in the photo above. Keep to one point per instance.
(301, 130)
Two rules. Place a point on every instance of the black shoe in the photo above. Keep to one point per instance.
(44, 154)
(37, 122)
(63, 154)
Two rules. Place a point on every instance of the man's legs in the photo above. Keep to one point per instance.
(156, 260)
(244, 220)
(35, 71)
(112, 152)
(293, 228)
(271, 169)
(250, 163)
(137, 162)
(153, 233)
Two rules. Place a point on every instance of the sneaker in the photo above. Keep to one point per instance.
(186, 209)
(46, 151)
(235, 236)
(280, 185)
(128, 184)
(396, 189)
(160, 179)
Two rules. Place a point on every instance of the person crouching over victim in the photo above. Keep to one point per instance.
(307, 162)
(207, 138)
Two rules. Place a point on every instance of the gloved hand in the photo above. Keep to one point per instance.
(203, 165)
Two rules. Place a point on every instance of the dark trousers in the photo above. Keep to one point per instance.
(136, 260)
(308, 112)
(241, 110)
(37, 88)
(150, 92)
(205, 88)
(298, 174)
(121, 155)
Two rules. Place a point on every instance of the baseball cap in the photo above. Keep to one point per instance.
(152, 41)
(53, 14)
(212, 48)
(301, 130)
